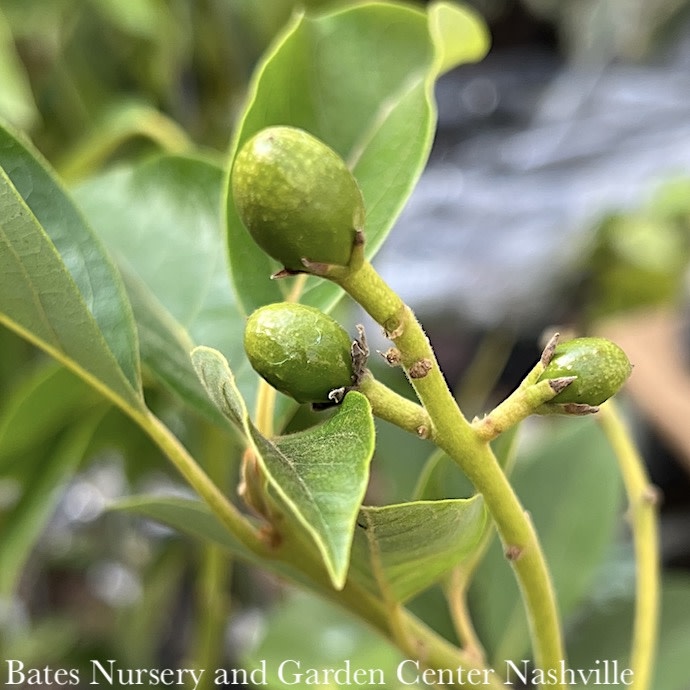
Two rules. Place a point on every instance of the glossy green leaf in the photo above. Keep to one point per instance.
(40, 407)
(603, 631)
(320, 474)
(41, 492)
(15, 353)
(412, 545)
(570, 485)
(58, 288)
(160, 219)
(445, 531)
(360, 79)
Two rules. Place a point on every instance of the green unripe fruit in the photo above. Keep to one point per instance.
(299, 350)
(601, 368)
(297, 198)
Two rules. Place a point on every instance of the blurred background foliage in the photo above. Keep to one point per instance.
(67, 66)
(93, 82)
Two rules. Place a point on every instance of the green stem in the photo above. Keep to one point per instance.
(643, 499)
(237, 523)
(440, 654)
(456, 595)
(455, 435)
(522, 403)
(527, 399)
(413, 636)
(462, 575)
(265, 408)
(396, 409)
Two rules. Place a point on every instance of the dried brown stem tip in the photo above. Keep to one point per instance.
(547, 353)
(392, 356)
(559, 385)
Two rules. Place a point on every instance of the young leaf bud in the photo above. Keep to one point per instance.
(297, 198)
(299, 350)
(601, 368)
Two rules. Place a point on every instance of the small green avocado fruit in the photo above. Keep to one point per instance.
(299, 350)
(600, 365)
(297, 198)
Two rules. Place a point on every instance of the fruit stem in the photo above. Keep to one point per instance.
(265, 407)
(388, 405)
(519, 405)
(455, 435)
(643, 500)
(525, 400)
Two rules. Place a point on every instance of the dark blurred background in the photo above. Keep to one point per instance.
(557, 197)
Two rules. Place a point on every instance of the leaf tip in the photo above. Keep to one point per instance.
(459, 34)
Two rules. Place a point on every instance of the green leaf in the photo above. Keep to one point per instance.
(603, 632)
(451, 532)
(195, 519)
(160, 220)
(165, 346)
(320, 474)
(219, 383)
(323, 473)
(189, 516)
(412, 545)
(24, 525)
(459, 35)
(360, 79)
(58, 288)
(570, 485)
